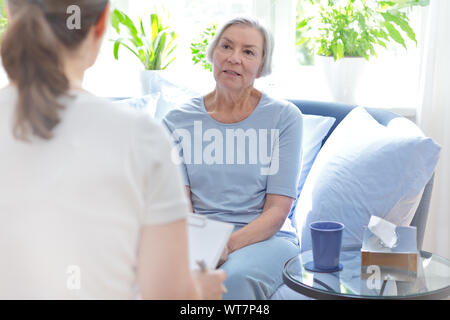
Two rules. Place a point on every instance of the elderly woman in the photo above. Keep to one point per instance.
(240, 152)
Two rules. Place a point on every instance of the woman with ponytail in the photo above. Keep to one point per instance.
(91, 205)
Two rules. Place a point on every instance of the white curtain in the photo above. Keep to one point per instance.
(434, 118)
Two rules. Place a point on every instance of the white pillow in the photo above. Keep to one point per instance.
(366, 169)
(163, 97)
(171, 96)
(315, 129)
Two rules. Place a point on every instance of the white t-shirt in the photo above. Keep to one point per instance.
(71, 208)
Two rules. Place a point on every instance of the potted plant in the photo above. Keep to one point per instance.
(200, 46)
(346, 33)
(153, 47)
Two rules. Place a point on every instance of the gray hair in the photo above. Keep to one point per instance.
(253, 23)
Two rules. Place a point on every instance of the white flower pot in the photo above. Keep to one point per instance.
(151, 81)
(343, 76)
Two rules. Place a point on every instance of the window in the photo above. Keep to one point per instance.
(189, 18)
(109, 77)
(390, 81)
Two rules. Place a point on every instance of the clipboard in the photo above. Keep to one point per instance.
(206, 240)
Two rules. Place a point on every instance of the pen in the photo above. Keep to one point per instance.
(202, 266)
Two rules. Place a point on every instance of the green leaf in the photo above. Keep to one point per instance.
(121, 18)
(155, 26)
(402, 23)
(142, 28)
(143, 56)
(116, 48)
(199, 47)
(169, 47)
(159, 47)
(303, 23)
(127, 22)
(382, 43)
(401, 4)
(117, 44)
(394, 34)
(386, 4)
(163, 68)
(301, 41)
(116, 18)
(135, 42)
(339, 53)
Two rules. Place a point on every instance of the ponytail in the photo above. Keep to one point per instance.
(30, 57)
(30, 53)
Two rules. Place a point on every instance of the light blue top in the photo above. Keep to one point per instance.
(231, 167)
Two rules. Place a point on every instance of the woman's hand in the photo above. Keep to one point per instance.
(210, 283)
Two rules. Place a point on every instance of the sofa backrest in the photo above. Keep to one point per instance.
(339, 111)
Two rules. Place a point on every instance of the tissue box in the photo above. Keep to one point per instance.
(397, 263)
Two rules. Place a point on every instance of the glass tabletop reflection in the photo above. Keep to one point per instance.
(432, 281)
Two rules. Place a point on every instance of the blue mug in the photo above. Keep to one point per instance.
(326, 245)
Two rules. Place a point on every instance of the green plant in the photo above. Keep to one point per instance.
(199, 47)
(354, 28)
(3, 19)
(153, 49)
(304, 46)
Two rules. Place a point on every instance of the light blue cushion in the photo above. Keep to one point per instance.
(366, 169)
(164, 96)
(171, 96)
(315, 129)
(147, 103)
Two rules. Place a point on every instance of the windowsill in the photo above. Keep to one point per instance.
(303, 83)
(375, 90)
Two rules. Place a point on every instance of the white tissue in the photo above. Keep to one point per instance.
(384, 230)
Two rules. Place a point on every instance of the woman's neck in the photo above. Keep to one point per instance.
(227, 107)
(75, 64)
(75, 75)
(226, 101)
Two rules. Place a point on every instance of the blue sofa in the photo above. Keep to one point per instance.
(339, 111)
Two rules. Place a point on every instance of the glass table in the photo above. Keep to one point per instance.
(432, 281)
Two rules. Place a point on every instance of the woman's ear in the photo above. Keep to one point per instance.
(102, 23)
